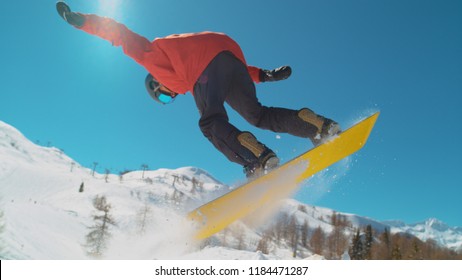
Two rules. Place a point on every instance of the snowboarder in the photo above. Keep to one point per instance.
(212, 67)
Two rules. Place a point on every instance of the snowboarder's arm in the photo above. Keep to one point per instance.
(254, 73)
(133, 44)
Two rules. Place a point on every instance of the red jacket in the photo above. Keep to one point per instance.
(176, 61)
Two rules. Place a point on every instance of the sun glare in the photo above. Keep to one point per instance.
(110, 8)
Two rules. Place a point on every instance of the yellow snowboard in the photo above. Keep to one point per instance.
(217, 214)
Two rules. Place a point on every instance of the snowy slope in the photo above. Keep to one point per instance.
(46, 217)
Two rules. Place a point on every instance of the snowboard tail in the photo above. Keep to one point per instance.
(217, 214)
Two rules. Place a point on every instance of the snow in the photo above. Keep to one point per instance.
(46, 217)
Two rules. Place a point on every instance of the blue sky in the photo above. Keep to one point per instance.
(349, 59)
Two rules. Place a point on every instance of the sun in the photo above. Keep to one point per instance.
(110, 8)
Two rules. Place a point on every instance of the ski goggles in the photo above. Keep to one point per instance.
(161, 95)
(164, 97)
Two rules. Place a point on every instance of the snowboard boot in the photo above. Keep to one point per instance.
(326, 128)
(72, 18)
(266, 160)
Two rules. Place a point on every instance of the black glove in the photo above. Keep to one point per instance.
(70, 17)
(277, 74)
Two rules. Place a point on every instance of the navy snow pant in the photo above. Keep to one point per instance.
(226, 79)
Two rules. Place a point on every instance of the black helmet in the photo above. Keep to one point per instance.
(154, 89)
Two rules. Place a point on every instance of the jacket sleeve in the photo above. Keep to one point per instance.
(254, 73)
(133, 45)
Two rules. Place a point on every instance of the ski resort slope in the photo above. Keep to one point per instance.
(47, 217)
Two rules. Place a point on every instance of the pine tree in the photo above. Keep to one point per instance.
(396, 253)
(397, 241)
(415, 251)
(98, 237)
(356, 249)
(304, 234)
(369, 238)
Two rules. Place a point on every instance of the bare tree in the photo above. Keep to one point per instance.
(382, 250)
(122, 173)
(175, 179)
(144, 214)
(224, 237)
(280, 228)
(292, 234)
(239, 233)
(263, 244)
(106, 176)
(176, 196)
(336, 243)
(194, 185)
(2, 229)
(317, 241)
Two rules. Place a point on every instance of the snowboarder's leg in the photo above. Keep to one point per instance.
(210, 93)
(326, 128)
(303, 123)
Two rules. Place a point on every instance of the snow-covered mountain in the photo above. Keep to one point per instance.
(432, 228)
(48, 204)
